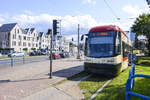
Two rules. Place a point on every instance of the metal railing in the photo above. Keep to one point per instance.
(11, 61)
(130, 84)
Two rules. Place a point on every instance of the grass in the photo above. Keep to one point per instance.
(79, 75)
(143, 61)
(92, 84)
(115, 90)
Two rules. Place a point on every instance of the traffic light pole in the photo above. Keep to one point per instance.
(51, 59)
(78, 55)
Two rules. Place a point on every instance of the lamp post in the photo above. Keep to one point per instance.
(50, 32)
(78, 55)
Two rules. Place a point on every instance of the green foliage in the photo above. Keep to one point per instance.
(142, 27)
(143, 61)
(71, 44)
(25, 49)
(33, 49)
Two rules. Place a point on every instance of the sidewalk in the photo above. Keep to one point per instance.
(28, 83)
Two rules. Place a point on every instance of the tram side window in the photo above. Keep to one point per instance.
(86, 49)
(118, 44)
(125, 49)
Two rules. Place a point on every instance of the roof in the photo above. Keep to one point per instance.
(106, 28)
(32, 29)
(41, 33)
(7, 27)
(24, 31)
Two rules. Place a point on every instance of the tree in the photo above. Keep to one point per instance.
(142, 27)
(25, 49)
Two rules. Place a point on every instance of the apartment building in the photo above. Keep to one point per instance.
(13, 38)
(44, 41)
(30, 38)
(10, 37)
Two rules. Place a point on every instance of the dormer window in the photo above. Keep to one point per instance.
(18, 30)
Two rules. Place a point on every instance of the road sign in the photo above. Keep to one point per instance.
(4, 44)
(7, 43)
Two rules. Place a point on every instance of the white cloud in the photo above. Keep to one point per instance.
(89, 2)
(68, 23)
(28, 12)
(2, 19)
(133, 11)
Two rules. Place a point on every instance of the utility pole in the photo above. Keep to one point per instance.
(50, 32)
(78, 55)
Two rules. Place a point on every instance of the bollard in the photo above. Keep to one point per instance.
(23, 60)
(11, 61)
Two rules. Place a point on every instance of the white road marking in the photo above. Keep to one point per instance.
(99, 90)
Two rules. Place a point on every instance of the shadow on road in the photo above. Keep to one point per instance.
(68, 71)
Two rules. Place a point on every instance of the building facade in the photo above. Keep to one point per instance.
(44, 41)
(13, 38)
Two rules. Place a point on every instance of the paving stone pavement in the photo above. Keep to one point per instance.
(24, 82)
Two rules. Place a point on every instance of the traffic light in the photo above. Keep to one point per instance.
(55, 27)
(148, 2)
(49, 31)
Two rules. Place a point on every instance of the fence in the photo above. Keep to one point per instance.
(130, 84)
(21, 60)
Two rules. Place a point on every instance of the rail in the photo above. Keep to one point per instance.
(130, 84)
(11, 61)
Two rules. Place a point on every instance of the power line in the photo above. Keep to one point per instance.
(112, 10)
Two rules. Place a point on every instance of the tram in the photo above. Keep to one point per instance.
(106, 50)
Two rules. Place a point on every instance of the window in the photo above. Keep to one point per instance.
(19, 37)
(13, 36)
(19, 43)
(28, 38)
(24, 37)
(29, 44)
(14, 43)
(118, 43)
(15, 31)
(126, 49)
(18, 30)
(36, 45)
(24, 43)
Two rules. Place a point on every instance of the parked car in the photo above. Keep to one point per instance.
(43, 53)
(55, 55)
(33, 53)
(16, 54)
(0, 54)
(62, 55)
(66, 54)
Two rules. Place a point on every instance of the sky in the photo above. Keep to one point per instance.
(87, 13)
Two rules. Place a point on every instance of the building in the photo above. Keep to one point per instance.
(13, 38)
(44, 41)
(30, 39)
(61, 43)
(10, 37)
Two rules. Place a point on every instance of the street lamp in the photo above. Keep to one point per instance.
(78, 55)
(50, 32)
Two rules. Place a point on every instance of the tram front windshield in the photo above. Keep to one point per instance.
(101, 44)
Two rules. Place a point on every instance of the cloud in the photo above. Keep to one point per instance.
(134, 11)
(44, 21)
(2, 19)
(89, 2)
(69, 24)
(28, 12)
